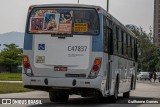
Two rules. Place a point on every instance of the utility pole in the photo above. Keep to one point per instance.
(107, 5)
(78, 1)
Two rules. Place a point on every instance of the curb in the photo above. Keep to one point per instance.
(11, 81)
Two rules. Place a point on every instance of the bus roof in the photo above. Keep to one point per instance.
(66, 5)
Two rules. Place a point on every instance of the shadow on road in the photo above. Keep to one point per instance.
(93, 102)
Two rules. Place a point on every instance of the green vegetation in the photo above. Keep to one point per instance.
(10, 76)
(149, 54)
(12, 88)
(11, 57)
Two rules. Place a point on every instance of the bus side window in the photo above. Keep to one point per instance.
(124, 44)
(115, 39)
(110, 47)
(132, 48)
(136, 50)
(107, 35)
(122, 34)
(129, 46)
(108, 40)
(105, 38)
(119, 42)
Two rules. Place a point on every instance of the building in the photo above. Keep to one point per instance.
(156, 23)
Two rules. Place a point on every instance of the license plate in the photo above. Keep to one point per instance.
(60, 68)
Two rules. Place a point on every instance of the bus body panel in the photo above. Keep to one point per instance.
(72, 52)
(125, 68)
(65, 82)
(58, 80)
(28, 42)
(47, 70)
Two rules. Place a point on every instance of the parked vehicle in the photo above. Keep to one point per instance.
(143, 75)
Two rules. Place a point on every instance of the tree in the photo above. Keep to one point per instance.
(148, 52)
(11, 56)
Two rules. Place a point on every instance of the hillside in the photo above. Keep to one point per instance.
(12, 37)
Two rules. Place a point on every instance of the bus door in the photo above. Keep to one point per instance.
(107, 34)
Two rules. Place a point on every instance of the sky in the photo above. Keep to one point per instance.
(138, 12)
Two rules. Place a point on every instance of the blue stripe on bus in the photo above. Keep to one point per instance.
(28, 41)
(97, 41)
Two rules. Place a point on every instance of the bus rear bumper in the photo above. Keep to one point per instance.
(61, 83)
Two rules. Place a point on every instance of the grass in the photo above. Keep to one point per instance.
(10, 76)
(12, 88)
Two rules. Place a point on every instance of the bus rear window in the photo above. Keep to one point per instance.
(64, 21)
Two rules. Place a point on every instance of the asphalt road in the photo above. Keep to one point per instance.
(144, 90)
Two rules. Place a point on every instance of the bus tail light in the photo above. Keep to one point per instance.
(27, 66)
(95, 68)
(25, 59)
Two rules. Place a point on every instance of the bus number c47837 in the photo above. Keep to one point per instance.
(77, 48)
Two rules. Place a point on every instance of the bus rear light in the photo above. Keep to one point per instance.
(25, 59)
(97, 61)
(95, 68)
(26, 65)
(29, 72)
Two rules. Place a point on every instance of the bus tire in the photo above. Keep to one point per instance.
(131, 87)
(53, 96)
(126, 94)
(103, 99)
(113, 98)
(58, 96)
(63, 97)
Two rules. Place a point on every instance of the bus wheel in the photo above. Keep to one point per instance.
(126, 94)
(58, 96)
(131, 86)
(113, 98)
(103, 99)
(63, 97)
(53, 96)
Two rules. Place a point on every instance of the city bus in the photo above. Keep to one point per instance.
(78, 49)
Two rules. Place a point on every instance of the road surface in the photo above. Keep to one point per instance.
(144, 90)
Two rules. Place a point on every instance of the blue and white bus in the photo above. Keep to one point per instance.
(78, 49)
